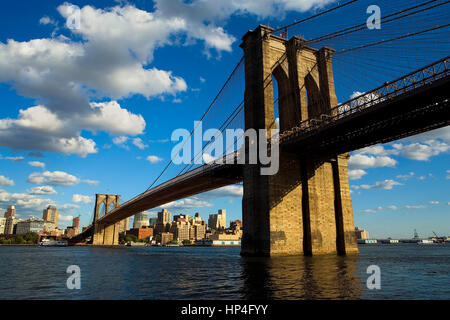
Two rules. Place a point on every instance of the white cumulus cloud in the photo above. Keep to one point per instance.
(110, 57)
(385, 185)
(91, 182)
(188, 203)
(37, 164)
(66, 218)
(79, 198)
(44, 190)
(25, 203)
(415, 207)
(356, 174)
(139, 143)
(154, 159)
(232, 191)
(422, 151)
(55, 178)
(4, 181)
(361, 161)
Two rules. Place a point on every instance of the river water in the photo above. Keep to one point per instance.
(408, 271)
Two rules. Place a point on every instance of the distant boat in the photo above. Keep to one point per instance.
(136, 244)
(172, 245)
(367, 241)
(53, 243)
(425, 241)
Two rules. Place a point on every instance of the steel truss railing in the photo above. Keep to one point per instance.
(386, 92)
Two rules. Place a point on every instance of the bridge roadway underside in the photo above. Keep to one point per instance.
(207, 180)
(411, 113)
(408, 114)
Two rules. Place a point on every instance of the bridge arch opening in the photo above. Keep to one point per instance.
(276, 111)
(313, 97)
(281, 95)
(102, 210)
(112, 206)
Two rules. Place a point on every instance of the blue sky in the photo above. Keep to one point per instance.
(92, 110)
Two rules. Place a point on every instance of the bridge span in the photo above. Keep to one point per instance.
(415, 103)
(306, 207)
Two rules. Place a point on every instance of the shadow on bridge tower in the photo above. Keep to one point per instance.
(107, 235)
(306, 207)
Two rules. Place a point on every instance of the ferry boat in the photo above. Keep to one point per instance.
(136, 244)
(53, 243)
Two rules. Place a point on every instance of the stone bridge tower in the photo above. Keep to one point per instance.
(306, 207)
(107, 235)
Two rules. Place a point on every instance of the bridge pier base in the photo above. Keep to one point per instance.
(97, 237)
(346, 237)
(106, 235)
(271, 211)
(304, 209)
(327, 208)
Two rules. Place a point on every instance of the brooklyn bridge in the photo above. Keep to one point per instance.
(400, 78)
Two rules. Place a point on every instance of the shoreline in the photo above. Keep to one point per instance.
(18, 245)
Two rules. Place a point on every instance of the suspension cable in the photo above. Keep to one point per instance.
(393, 39)
(204, 115)
(362, 26)
(315, 16)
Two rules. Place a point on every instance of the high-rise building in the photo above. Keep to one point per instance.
(164, 217)
(140, 220)
(164, 222)
(198, 231)
(161, 228)
(2, 225)
(181, 217)
(123, 225)
(11, 225)
(49, 227)
(153, 221)
(70, 232)
(166, 237)
(76, 225)
(76, 222)
(361, 234)
(218, 221)
(51, 214)
(73, 230)
(236, 225)
(10, 212)
(197, 217)
(180, 230)
(30, 225)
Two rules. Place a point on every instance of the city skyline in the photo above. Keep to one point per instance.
(396, 188)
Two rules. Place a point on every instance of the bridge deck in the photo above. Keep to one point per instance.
(202, 179)
(414, 112)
